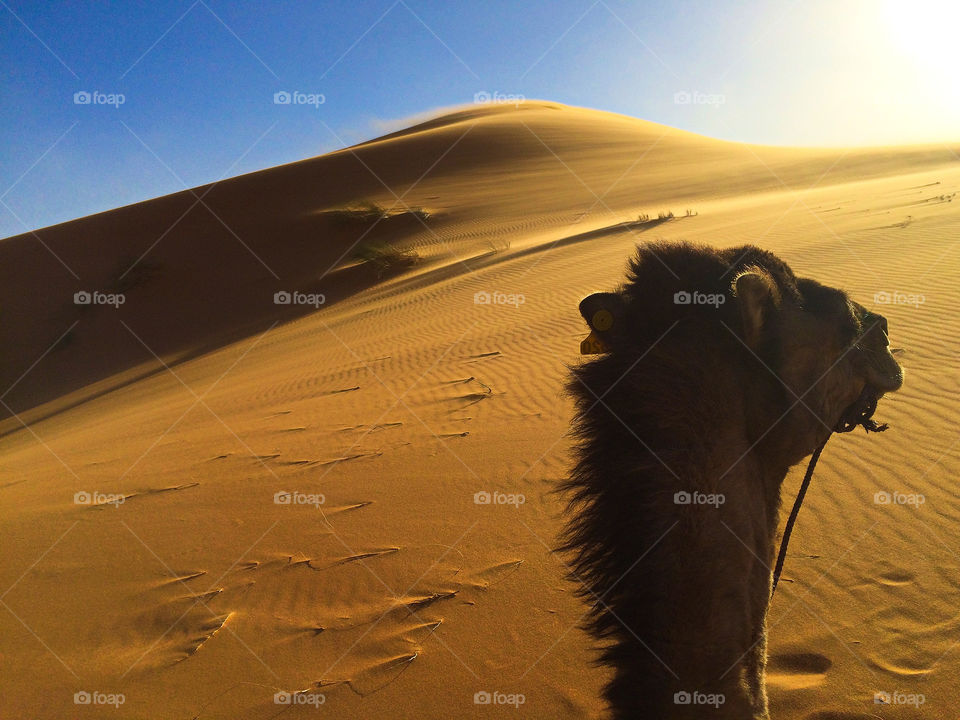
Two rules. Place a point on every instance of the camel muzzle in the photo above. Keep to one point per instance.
(882, 370)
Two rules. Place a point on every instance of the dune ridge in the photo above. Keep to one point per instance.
(326, 502)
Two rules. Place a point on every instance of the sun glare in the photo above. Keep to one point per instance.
(925, 32)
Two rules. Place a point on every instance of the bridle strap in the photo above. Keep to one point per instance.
(793, 515)
(860, 413)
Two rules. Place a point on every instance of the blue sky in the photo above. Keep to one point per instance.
(198, 79)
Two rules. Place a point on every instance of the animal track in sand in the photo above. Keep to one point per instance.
(895, 577)
(794, 671)
(906, 667)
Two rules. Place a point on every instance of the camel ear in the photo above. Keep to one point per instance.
(603, 312)
(757, 295)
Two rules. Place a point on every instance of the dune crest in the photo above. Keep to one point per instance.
(219, 497)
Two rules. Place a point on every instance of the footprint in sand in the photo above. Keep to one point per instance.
(895, 577)
(794, 671)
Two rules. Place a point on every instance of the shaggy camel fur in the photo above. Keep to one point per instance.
(718, 370)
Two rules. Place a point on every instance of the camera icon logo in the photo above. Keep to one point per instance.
(282, 698)
(82, 298)
(82, 698)
(82, 498)
(682, 298)
(281, 98)
(682, 698)
(882, 498)
(482, 698)
(682, 498)
(282, 298)
(282, 498)
(81, 98)
(482, 498)
(481, 297)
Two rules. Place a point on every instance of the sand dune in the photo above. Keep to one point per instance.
(282, 499)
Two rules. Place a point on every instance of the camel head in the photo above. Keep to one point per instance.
(802, 353)
(829, 352)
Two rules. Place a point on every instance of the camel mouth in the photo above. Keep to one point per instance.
(885, 380)
(861, 412)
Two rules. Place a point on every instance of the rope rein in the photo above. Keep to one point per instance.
(860, 413)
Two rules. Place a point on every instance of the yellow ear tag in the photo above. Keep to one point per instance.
(601, 320)
(592, 345)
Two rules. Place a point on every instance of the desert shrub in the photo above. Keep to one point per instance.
(386, 258)
(368, 212)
